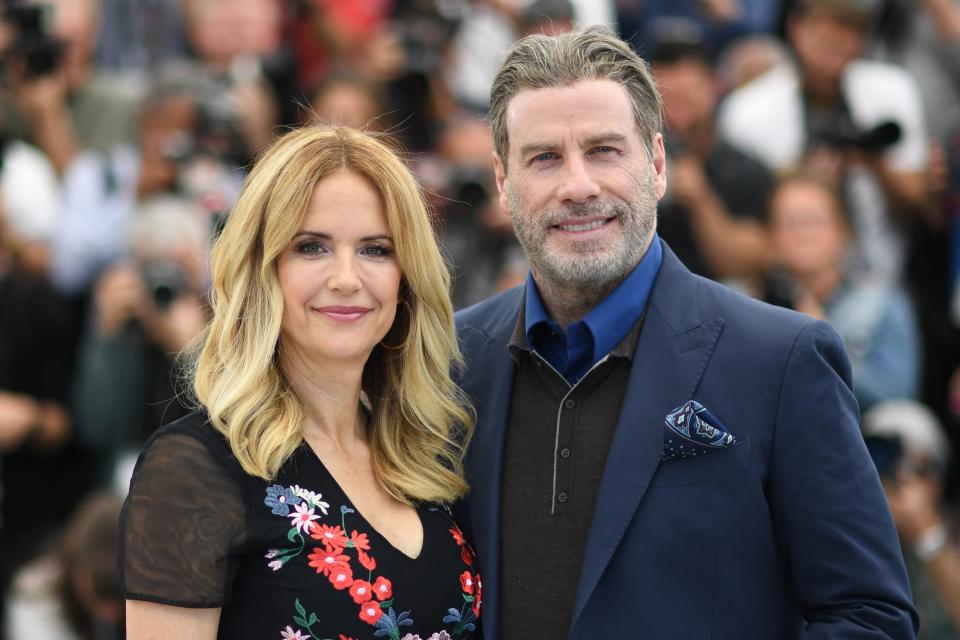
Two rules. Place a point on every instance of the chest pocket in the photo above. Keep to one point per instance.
(703, 468)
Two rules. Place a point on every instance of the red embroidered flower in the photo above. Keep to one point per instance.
(466, 554)
(361, 591)
(343, 637)
(360, 541)
(333, 538)
(458, 535)
(478, 597)
(326, 562)
(382, 588)
(466, 582)
(366, 560)
(341, 577)
(370, 612)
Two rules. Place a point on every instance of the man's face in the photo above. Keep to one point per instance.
(579, 185)
(824, 48)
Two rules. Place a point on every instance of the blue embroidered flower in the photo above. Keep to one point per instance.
(280, 499)
(390, 622)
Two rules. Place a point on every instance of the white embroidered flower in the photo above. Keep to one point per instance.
(290, 634)
(271, 553)
(313, 498)
(275, 564)
(302, 516)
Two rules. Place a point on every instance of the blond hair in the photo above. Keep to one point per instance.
(420, 423)
(538, 61)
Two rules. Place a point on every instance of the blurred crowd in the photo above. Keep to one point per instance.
(813, 162)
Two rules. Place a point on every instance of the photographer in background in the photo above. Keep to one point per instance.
(857, 122)
(145, 311)
(712, 214)
(55, 98)
(911, 452)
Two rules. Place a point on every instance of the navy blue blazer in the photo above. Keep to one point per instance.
(784, 534)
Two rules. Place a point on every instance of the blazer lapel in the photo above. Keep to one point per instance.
(671, 356)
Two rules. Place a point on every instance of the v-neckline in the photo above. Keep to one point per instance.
(349, 502)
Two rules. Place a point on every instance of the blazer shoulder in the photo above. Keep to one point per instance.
(490, 315)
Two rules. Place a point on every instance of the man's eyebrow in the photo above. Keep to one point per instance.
(536, 147)
(605, 138)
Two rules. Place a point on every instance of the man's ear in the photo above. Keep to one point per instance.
(500, 172)
(659, 164)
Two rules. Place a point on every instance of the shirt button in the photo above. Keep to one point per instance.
(570, 404)
(562, 497)
(565, 453)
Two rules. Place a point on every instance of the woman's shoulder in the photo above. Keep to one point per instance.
(193, 429)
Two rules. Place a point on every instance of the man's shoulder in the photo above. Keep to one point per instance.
(488, 316)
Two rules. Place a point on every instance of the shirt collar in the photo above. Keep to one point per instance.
(611, 320)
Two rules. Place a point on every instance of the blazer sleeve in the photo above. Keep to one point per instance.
(829, 510)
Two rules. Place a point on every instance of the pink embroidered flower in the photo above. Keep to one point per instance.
(382, 588)
(361, 591)
(332, 537)
(326, 562)
(360, 541)
(466, 582)
(370, 612)
(302, 517)
(271, 553)
(341, 577)
(366, 560)
(290, 634)
(275, 564)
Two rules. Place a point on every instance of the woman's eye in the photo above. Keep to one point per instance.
(376, 251)
(311, 246)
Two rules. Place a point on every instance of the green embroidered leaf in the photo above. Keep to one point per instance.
(300, 621)
(313, 619)
(386, 604)
(467, 598)
(300, 609)
(292, 535)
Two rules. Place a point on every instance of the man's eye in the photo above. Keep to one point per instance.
(544, 157)
(603, 150)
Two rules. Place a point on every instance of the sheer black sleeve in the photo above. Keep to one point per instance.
(181, 525)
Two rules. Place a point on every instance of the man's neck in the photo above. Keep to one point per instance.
(568, 305)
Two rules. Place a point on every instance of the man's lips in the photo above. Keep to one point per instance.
(581, 225)
(343, 314)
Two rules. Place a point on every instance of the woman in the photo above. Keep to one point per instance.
(810, 238)
(297, 504)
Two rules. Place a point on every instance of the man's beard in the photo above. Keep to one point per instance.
(587, 264)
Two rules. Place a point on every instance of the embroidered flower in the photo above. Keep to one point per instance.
(361, 591)
(290, 634)
(275, 564)
(272, 553)
(478, 597)
(279, 499)
(333, 538)
(326, 562)
(443, 635)
(466, 582)
(313, 498)
(343, 637)
(370, 612)
(366, 560)
(458, 535)
(303, 517)
(341, 577)
(466, 554)
(382, 588)
(360, 540)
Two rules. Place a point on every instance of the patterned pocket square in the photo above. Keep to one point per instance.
(691, 430)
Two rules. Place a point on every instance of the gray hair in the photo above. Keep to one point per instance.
(538, 62)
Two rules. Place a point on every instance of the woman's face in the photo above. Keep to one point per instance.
(807, 232)
(339, 275)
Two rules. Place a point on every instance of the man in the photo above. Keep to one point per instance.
(655, 455)
(859, 120)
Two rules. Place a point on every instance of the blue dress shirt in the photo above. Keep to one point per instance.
(587, 341)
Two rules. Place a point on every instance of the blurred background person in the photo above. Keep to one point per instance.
(713, 213)
(810, 235)
(73, 591)
(911, 452)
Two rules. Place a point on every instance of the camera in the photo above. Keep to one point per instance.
(39, 51)
(165, 281)
(843, 134)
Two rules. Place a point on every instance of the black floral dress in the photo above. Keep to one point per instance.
(289, 559)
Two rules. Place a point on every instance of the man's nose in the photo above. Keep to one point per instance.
(344, 273)
(577, 182)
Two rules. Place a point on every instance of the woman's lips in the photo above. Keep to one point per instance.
(343, 314)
